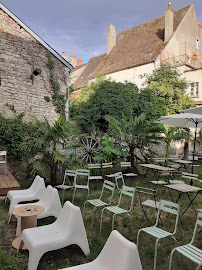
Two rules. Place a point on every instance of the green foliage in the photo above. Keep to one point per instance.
(58, 99)
(12, 133)
(108, 152)
(46, 149)
(167, 84)
(100, 98)
(135, 132)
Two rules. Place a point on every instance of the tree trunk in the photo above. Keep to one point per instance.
(186, 150)
(53, 174)
(131, 157)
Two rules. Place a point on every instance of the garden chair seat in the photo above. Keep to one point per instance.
(97, 202)
(156, 232)
(116, 209)
(160, 182)
(151, 203)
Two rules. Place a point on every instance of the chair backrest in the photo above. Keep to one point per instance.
(171, 208)
(107, 165)
(38, 181)
(119, 178)
(94, 166)
(119, 253)
(125, 164)
(146, 191)
(198, 223)
(190, 176)
(109, 186)
(68, 173)
(82, 172)
(51, 201)
(128, 191)
(3, 155)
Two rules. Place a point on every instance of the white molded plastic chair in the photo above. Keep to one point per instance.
(65, 186)
(34, 192)
(189, 250)
(117, 254)
(3, 161)
(171, 208)
(67, 230)
(85, 174)
(50, 200)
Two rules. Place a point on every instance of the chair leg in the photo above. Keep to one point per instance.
(101, 219)
(93, 217)
(9, 218)
(130, 222)
(113, 221)
(155, 255)
(138, 235)
(73, 195)
(6, 199)
(88, 193)
(198, 267)
(171, 257)
(84, 207)
(63, 193)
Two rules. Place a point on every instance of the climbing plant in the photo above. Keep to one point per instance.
(58, 100)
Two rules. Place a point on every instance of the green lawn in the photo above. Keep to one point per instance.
(72, 255)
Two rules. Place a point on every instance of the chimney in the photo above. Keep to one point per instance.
(111, 38)
(79, 62)
(169, 16)
(64, 55)
(73, 60)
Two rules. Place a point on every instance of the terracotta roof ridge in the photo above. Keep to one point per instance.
(153, 19)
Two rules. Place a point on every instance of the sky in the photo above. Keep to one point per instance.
(80, 27)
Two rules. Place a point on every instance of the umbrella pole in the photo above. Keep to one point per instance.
(192, 169)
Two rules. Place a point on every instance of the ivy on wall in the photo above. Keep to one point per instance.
(58, 100)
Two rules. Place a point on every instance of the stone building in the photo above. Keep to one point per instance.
(173, 38)
(23, 56)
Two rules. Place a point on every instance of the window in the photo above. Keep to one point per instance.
(194, 89)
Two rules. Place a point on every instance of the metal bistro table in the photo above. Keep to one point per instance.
(184, 189)
(157, 169)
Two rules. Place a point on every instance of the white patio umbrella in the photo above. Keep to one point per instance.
(195, 110)
(188, 120)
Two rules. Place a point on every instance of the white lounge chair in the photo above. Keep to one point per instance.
(50, 200)
(67, 230)
(34, 192)
(117, 254)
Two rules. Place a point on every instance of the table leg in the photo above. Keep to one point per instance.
(191, 203)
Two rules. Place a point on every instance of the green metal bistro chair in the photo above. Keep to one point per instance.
(190, 251)
(65, 185)
(100, 202)
(117, 210)
(119, 178)
(84, 174)
(171, 208)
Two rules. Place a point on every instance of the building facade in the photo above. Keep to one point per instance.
(23, 56)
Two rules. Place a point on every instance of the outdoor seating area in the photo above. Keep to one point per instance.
(129, 206)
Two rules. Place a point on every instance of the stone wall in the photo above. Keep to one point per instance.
(20, 54)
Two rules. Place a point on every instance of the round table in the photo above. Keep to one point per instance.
(28, 215)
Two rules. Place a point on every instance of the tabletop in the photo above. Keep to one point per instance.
(28, 211)
(183, 188)
(157, 167)
(182, 161)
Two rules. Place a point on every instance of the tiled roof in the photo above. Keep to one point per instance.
(138, 45)
(82, 80)
(79, 66)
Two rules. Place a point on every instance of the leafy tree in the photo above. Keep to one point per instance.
(46, 149)
(167, 84)
(135, 132)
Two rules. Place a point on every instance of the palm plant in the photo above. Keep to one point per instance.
(135, 132)
(47, 148)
